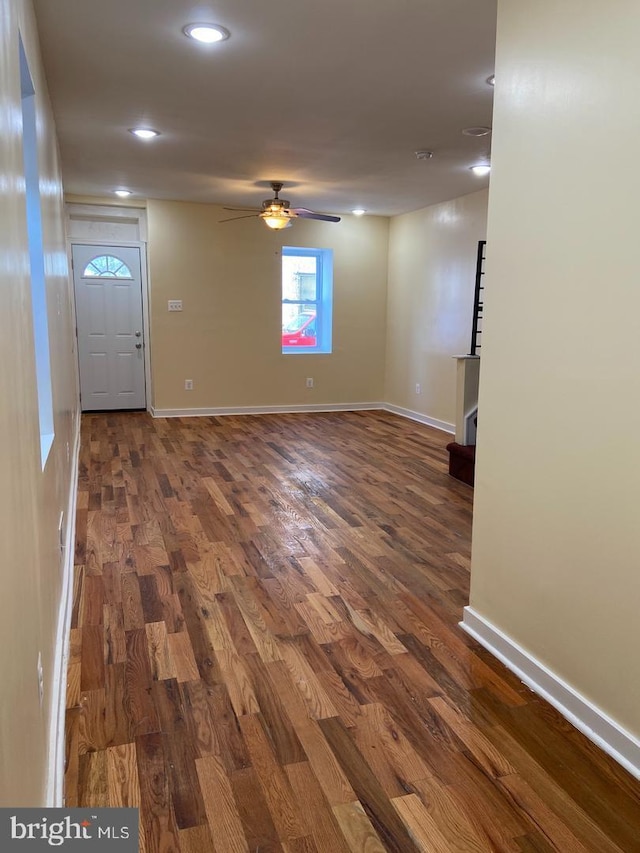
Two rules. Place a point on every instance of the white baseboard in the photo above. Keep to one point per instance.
(328, 407)
(262, 410)
(417, 416)
(55, 774)
(579, 711)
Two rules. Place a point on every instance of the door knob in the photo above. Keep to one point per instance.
(138, 334)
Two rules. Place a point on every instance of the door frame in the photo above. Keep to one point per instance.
(91, 224)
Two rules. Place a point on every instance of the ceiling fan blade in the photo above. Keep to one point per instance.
(233, 218)
(256, 209)
(309, 214)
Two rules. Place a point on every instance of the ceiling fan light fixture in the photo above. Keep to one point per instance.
(358, 211)
(277, 214)
(206, 33)
(276, 220)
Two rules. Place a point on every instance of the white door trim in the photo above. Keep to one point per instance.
(104, 214)
(97, 213)
(80, 283)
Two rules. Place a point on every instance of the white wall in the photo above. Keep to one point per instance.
(31, 500)
(556, 558)
(432, 267)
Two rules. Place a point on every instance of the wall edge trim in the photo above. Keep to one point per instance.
(444, 426)
(588, 718)
(56, 735)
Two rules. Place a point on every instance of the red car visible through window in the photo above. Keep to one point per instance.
(301, 331)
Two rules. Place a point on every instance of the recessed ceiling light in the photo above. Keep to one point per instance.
(481, 169)
(206, 33)
(144, 132)
(476, 131)
(358, 211)
(491, 80)
(122, 193)
(423, 154)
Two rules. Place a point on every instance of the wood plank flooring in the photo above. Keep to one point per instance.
(265, 653)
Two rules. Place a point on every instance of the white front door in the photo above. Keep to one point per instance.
(108, 288)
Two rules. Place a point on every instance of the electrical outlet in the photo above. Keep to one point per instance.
(188, 384)
(418, 388)
(174, 305)
(309, 382)
(40, 679)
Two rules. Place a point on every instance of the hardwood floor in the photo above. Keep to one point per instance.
(265, 653)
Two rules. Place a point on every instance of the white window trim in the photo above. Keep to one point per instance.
(323, 301)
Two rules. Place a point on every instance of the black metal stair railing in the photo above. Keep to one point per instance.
(478, 301)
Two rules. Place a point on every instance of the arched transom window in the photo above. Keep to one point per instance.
(107, 266)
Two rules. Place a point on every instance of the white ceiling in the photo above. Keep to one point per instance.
(332, 97)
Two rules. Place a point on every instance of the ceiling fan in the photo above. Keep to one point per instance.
(276, 212)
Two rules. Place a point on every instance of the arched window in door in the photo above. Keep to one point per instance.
(106, 266)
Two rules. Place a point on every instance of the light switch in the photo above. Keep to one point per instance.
(174, 305)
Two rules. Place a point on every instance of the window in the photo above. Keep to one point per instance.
(307, 296)
(107, 266)
(36, 259)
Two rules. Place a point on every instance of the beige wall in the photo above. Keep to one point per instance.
(432, 265)
(556, 562)
(228, 276)
(227, 338)
(30, 500)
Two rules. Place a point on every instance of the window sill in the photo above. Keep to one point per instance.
(305, 351)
